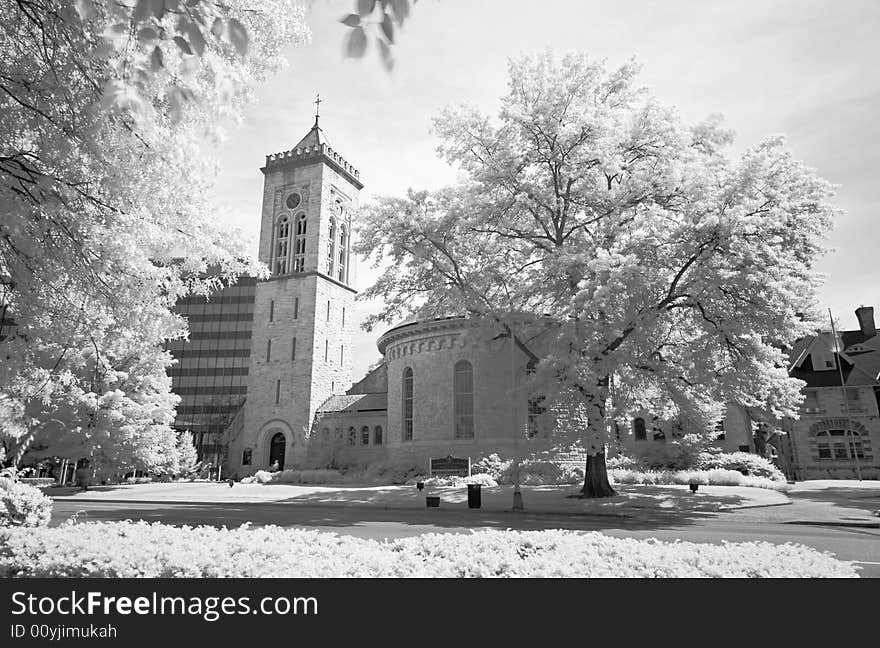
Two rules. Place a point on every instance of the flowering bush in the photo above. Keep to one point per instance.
(483, 479)
(540, 472)
(387, 472)
(127, 549)
(621, 461)
(317, 476)
(717, 477)
(744, 462)
(138, 480)
(492, 465)
(23, 505)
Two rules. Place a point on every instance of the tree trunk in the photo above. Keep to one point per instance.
(596, 482)
(760, 441)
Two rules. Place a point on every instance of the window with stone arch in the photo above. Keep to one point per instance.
(365, 435)
(463, 399)
(639, 431)
(325, 436)
(377, 435)
(331, 246)
(343, 253)
(299, 244)
(537, 405)
(842, 445)
(352, 436)
(407, 404)
(282, 246)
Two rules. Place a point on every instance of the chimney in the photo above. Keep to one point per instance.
(866, 320)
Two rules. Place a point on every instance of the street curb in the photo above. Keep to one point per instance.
(449, 508)
(746, 508)
(836, 523)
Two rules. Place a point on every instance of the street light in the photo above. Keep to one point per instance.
(517, 495)
(838, 350)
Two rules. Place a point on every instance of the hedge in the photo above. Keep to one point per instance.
(128, 549)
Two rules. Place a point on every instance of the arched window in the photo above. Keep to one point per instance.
(537, 408)
(407, 404)
(325, 435)
(840, 445)
(365, 435)
(299, 244)
(377, 435)
(639, 429)
(331, 248)
(463, 399)
(352, 436)
(282, 246)
(343, 252)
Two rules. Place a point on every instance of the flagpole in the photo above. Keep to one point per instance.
(838, 351)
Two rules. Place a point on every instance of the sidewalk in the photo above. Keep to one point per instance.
(631, 501)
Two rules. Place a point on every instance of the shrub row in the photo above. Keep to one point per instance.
(716, 477)
(126, 549)
(23, 505)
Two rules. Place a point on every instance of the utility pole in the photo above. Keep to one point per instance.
(848, 431)
(517, 495)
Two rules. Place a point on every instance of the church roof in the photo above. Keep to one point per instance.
(355, 403)
(859, 359)
(315, 137)
(313, 148)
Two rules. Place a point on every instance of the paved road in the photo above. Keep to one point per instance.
(847, 543)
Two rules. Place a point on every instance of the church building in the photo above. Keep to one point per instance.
(266, 378)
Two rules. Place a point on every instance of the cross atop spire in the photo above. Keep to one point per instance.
(317, 103)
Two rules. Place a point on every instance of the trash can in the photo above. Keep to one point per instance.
(432, 501)
(475, 498)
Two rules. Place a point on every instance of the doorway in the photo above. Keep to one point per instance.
(276, 450)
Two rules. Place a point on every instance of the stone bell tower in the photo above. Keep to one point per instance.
(303, 314)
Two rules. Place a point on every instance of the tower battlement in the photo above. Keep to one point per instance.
(309, 154)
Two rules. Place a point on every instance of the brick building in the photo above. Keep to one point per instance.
(266, 376)
(838, 433)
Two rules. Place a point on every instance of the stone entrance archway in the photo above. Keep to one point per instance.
(277, 448)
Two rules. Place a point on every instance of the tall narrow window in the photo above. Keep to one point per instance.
(639, 429)
(377, 435)
(271, 309)
(343, 252)
(352, 436)
(299, 244)
(293, 350)
(343, 315)
(341, 354)
(463, 397)
(537, 408)
(326, 350)
(328, 310)
(277, 391)
(331, 247)
(295, 307)
(268, 350)
(365, 435)
(282, 246)
(407, 404)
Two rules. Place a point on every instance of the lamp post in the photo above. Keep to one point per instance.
(517, 495)
(852, 446)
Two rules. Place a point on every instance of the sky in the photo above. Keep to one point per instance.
(806, 69)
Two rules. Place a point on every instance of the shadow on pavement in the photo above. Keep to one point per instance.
(316, 515)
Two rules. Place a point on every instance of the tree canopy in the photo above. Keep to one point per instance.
(109, 112)
(674, 273)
